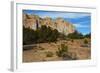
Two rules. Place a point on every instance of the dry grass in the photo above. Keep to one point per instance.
(37, 54)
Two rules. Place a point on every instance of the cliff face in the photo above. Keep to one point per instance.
(31, 21)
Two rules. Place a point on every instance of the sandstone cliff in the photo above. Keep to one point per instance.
(31, 21)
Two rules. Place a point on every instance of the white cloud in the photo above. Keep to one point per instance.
(64, 14)
(81, 26)
(54, 14)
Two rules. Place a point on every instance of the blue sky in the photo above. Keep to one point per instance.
(81, 21)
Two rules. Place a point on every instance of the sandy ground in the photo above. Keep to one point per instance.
(38, 53)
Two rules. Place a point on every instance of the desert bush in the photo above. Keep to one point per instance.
(85, 41)
(65, 54)
(41, 48)
(49, 54)
(72, 40)
(62, 51)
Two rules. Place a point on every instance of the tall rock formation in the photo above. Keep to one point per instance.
(34, 22)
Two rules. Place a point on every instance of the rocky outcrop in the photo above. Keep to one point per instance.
(34, 21)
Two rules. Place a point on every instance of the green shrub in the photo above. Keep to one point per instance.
(75, 35)
(62, 36)
(72, 40)
(87, 35)
(41, 35)
(29, 36)
(85, 41)
(41, 48)
(49, 54)
(62, 51)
